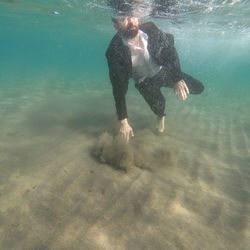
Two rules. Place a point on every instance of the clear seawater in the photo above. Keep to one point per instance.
(56, 100)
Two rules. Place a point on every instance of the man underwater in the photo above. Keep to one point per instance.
(147, 55)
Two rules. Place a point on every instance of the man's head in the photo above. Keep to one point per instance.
(127, 26)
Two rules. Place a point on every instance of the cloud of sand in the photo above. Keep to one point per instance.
(114, 151)
(145, 151)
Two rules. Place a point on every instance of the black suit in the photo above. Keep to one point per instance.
(162, 51)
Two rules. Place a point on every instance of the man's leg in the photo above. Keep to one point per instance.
(152, 94)
(165, 78)
(150, 90)
(194, 86)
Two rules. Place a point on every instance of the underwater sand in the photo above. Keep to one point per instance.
(191, 190)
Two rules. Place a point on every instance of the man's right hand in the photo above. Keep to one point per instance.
(181, 90)
(125, 130)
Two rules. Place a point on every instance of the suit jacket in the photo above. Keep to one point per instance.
(162, 51)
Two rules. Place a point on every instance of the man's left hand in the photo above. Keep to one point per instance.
(181, 90)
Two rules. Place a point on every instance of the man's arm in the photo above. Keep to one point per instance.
(119, 78)
(170, 57)
(171, 61)
(164, 51)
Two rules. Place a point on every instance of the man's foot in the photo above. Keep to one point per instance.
(161, 124)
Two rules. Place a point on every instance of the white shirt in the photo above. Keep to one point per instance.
(142, 64)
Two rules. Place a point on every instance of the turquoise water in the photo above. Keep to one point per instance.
(34, 39)
(56, 101)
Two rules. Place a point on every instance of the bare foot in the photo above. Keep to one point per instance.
(161, 124)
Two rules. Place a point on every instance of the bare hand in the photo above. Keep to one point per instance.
(181, 90)
(125, 130)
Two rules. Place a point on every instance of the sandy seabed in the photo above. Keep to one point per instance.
(186, 189)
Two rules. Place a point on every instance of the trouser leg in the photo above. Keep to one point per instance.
(165, 78)
(194, 85)
(152, 94)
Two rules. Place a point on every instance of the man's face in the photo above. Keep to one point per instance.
(128, 26)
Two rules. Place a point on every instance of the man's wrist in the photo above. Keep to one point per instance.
(124, 121)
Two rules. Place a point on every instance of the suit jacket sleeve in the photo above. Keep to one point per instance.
(169, 57)
(119, 78)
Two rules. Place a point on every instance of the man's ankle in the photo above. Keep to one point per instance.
(161, 124)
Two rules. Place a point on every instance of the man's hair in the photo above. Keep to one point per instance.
(116, 19)
(122, 9)
(121, 6)
(143, 8)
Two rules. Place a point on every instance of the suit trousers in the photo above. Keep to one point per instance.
(150, 89)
